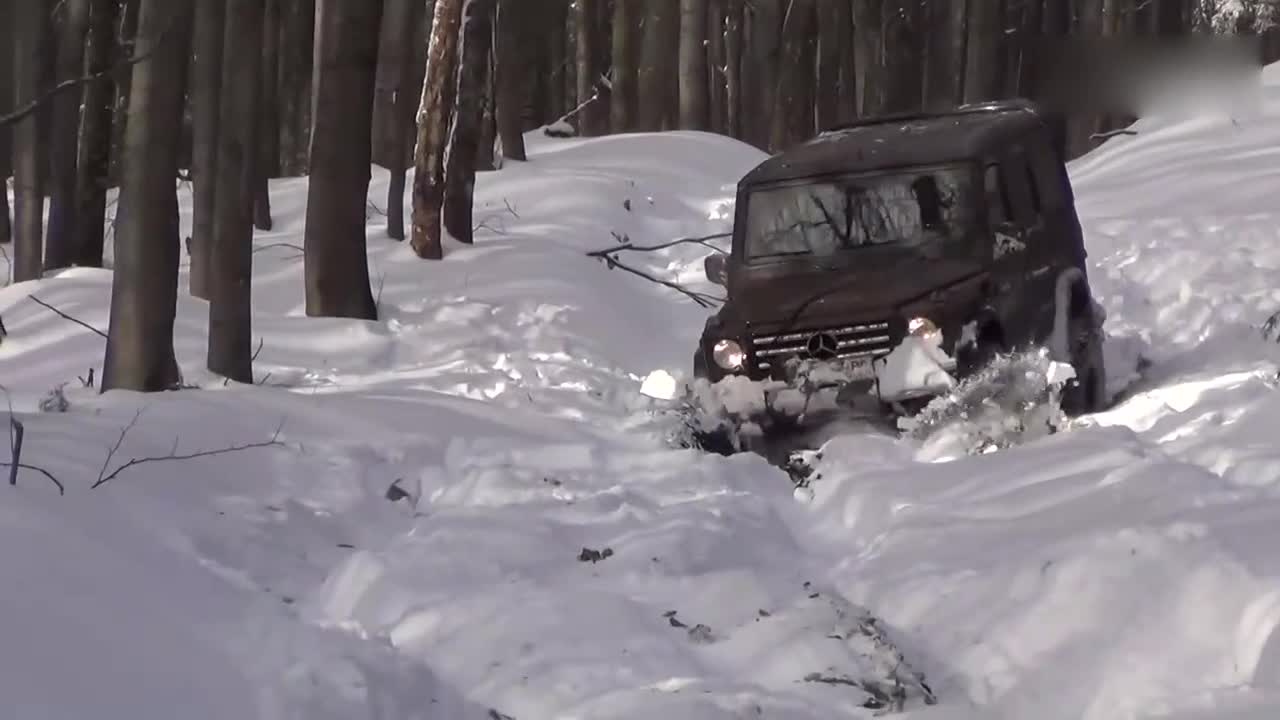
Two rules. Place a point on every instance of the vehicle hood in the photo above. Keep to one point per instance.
(811, 294)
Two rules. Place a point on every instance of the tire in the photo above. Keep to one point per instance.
(1087, 392)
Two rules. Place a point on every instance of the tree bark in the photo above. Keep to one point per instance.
(337, 269)
(694, 91)
(206, 91)
(733, 67)
(297, 40)
(904, 49)
(716, 62)
(624, 97)
(512, 56)
(761, 61)
(31, 56)
(793, 119)
(832, 41)
(230, 309)
(268, 123)
(144, 289)
(434, 113)
(93, 160)
(6, 102)
(982, 71)
(398, 40)
(658, 82)
(464, 138)
(944, 74)
(60, 241)
(593, 119)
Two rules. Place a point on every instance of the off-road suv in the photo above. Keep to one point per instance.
(904, 252)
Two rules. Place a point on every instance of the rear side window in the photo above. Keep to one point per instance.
(999, 208)
(1049, 177)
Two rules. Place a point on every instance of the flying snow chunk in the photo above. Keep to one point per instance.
(659, 385)
(1059, 373)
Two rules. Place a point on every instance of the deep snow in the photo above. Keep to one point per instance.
(1123, 569)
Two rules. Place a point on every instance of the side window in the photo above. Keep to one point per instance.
(999, 209)
(1048, 174)
(1021, 187)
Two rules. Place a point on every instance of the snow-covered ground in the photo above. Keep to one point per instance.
(555, 558)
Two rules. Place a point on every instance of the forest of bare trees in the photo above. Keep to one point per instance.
(145, 96)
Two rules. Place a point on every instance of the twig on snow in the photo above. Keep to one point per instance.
(273, 441)
(702, 299)
(1112, 133)
(290, 246)
(65, 316)
(17, 431)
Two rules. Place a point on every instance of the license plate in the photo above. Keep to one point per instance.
(860, 369)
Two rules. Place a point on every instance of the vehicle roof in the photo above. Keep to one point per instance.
(902, 140)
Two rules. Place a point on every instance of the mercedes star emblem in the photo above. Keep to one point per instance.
(823, 346)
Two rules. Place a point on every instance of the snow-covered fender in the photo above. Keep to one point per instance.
(1068, 280)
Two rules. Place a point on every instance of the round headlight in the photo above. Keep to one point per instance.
(728, 355)
(923, 328)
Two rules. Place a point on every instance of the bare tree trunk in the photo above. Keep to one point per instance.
(434, 113)
(624, 97)
(904, 49)
(230, 307)
(485, 161)
(460, 159)
(944, 74)
(593, 119)
(982, 72)
(398, 40)
(761, 61)
(733, 67)
(513, 54)
(658, 72)
(793, 120)
(126, 34)
(60, 243)
(206, 91)
(694, 92)
(337, 269)
(31, 56)
(554, 101)
(833, 36)
(297, 43)
(6, 102)
(716, 62)
(268, 124)
(94, 155)
(144, 289)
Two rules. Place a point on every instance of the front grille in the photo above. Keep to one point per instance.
(852, 340)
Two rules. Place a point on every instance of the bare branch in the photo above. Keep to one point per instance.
(1112, 133)
(16, 433)
(111, 451)
(65, 316)
(702, 299)
(273, 441)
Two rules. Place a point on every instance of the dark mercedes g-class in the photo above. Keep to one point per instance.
(907, 251)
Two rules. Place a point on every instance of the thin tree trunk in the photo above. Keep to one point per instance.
(60, 243)
(268, 124)
(485, 161)
(903, 55)
(398, 39)
(230, 309)
(94, 146)
(6, 132)
(555, 100)
(31, 57)
(793, 110)
(716, 62)
(593, 119)
(982, 72)
(694, 92)
(659, 81)
(944, 74)
(337, 269)
(460, 159)
(126, 35)
(624, 97)
(434, 113)
(733, 67)
(763, 58)
(832, 41)
(297, 38)
(144, 289)
(206, 92)
(512, 57)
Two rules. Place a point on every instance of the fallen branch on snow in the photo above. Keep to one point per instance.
(702, 299)
(65, 316)
(17, 431)
(104, 477)
(1112, 133)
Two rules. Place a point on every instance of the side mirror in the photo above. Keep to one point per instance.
(715, 268)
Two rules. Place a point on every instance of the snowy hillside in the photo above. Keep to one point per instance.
(554, 558)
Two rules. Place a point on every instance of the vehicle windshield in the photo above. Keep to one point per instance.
(904, 208)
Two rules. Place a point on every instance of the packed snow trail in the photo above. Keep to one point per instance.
(552, 557)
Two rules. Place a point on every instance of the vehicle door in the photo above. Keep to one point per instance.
(1039, 251)
(1007, 245)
